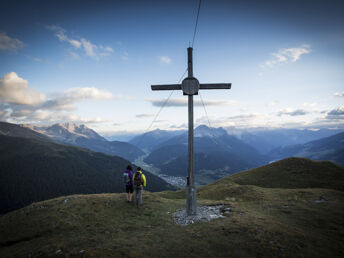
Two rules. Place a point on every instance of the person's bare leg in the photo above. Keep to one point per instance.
(130, 197)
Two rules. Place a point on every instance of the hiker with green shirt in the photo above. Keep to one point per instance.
(139, 180)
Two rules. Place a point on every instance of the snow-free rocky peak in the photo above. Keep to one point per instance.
(69, 129)
(66, 132)
(205, 131)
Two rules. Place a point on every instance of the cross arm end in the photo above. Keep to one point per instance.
(215, 86)
(167, 87)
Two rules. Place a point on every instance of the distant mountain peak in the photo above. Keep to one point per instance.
(69, 126)
(78, 130)
(205, 131)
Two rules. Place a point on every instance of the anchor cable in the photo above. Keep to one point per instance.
(168, 98)
(206, 113)
(194, 34)
(161, 108)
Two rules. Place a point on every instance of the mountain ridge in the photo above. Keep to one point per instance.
(231, 154)
(82, 136)
(328, 148)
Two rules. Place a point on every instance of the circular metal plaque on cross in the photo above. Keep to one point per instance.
(190, 86)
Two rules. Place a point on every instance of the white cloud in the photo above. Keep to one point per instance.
(14, 90)
(286, 55)
(311, 105)
(90, 49)
(337, 94)
(164, 59)
(21, 113)
(4, 115)
(66, 100)
(36, 59)
(18, 103)
(75, 43)
(49, 117)
(184, 102)
(248, 120)
(88, 93)
(74, 55)
(273, 103)
(337, 113)
(125, 56)
(291, 112)
(9, 44)
(144, 115)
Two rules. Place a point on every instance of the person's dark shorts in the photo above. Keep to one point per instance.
(129, 188)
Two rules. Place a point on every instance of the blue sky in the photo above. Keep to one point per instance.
(93, 62)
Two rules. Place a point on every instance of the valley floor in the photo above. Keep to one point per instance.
(263, 222)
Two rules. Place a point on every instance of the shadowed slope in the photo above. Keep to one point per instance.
(32, 170)
(263, 222)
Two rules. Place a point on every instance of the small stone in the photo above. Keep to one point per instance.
(320, 200)
(58, 251)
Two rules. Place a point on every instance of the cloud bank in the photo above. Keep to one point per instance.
(18, 103)
(337, 113)
(291, 112)
(184, 102)
(340, 95)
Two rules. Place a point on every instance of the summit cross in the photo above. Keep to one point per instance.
(190, 86)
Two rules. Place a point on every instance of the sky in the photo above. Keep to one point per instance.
(93, 62)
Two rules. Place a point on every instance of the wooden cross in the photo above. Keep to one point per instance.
(190, 86)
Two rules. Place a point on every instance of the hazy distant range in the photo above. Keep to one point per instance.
(218, 152)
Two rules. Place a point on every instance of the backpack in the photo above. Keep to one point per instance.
(138, 181)
(126, 178)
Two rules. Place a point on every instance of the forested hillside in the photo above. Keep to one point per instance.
(33, 170)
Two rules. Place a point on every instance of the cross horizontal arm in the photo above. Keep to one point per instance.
(167, 87)
(214, 86)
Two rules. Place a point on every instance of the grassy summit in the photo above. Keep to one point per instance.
(264, 222)
(293, 173)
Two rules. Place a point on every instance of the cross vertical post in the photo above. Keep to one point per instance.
(190, 86)
(191, 206)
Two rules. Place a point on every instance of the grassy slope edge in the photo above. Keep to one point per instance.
(269, 222)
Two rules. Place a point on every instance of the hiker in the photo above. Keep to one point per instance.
(139, 180)
(128, 180)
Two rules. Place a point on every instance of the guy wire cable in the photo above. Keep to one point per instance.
(206, 113)
(164, 104)
(161, 108)
(194, 34)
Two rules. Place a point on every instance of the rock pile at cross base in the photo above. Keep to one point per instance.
(204, 214)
